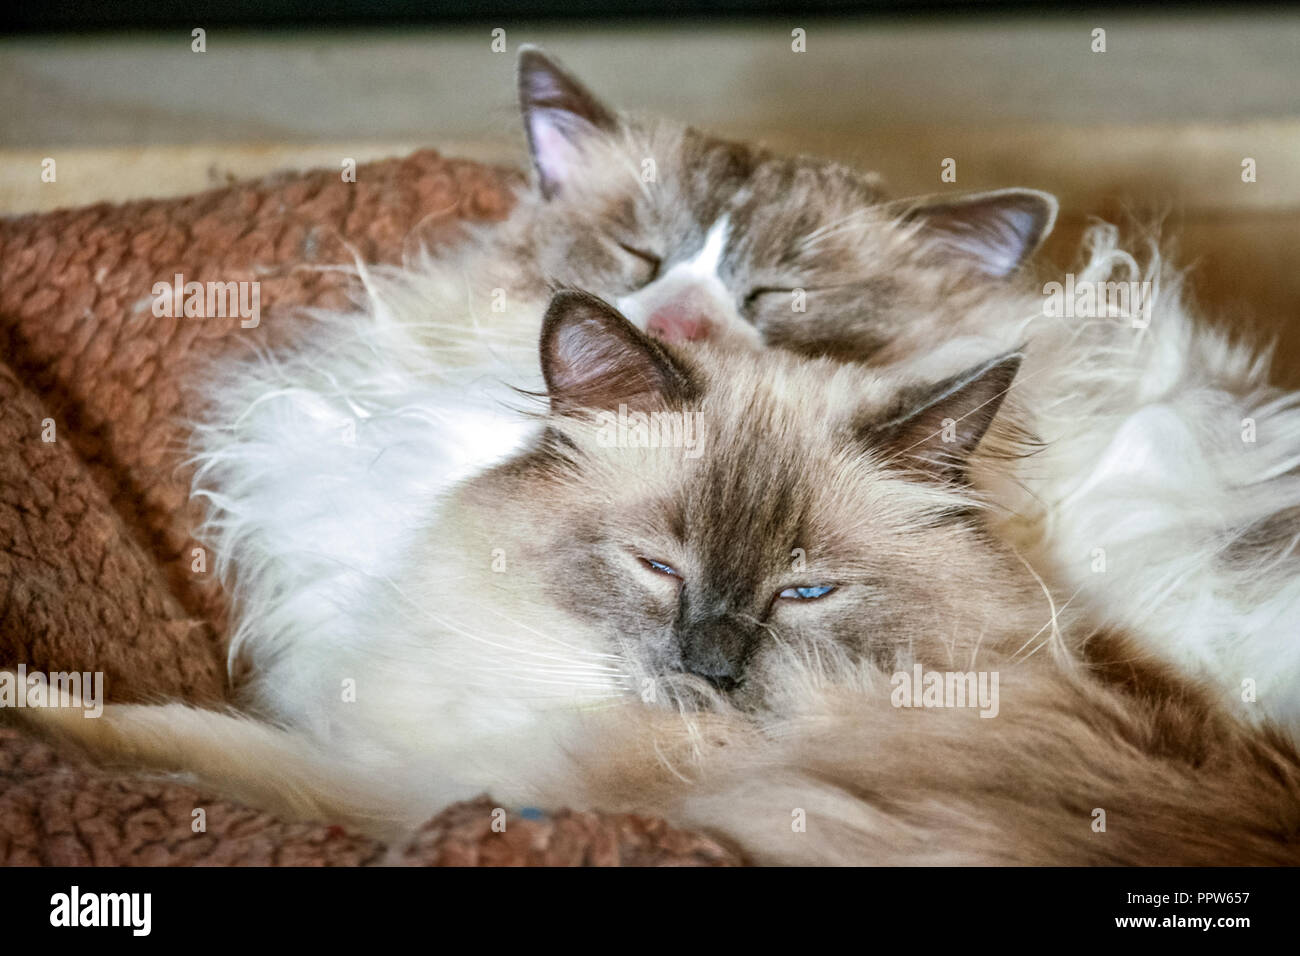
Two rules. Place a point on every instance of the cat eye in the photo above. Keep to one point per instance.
(809, 593)
(649, 258)
(660, 568)
(755, 294)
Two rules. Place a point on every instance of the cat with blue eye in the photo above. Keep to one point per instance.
(517, 645)
(471, 669)
(528, 609)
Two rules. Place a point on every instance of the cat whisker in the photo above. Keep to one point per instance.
(575, 671)
(551, 638)
(533, 679)
(432, 618)
(1054, 636)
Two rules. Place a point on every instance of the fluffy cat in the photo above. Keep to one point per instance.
(305, 459)
(1166, 497)
(323, 466)
(691, 236)
(711, 637)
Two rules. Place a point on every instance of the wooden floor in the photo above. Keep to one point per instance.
(1156, 126)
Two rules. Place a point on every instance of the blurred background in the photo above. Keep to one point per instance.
(1153, 118)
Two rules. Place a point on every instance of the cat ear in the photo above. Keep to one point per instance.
(592, 357)
(934, 429)
(559, 112)
(994, 231)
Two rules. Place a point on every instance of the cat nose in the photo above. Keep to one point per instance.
(717, 658)
(679, 321)
(721, 673)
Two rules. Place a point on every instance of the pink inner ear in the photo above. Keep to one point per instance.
(553, 150)
(590, 359)
(994, 241)
(994, 234)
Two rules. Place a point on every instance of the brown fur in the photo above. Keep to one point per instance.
(1085, 726)
(1179, 782)
(809, 731)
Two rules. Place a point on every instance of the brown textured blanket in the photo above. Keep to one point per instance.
(96, 565)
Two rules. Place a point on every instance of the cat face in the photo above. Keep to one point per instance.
(793, 511)
(695, 238)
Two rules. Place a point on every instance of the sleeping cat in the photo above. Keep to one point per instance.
(602, 620)
(322, 465)
(305, 460)
(694, 237)
(1166, 493)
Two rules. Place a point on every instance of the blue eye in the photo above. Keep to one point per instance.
(660, 567)
(807, 593)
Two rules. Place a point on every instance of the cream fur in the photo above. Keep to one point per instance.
(319, 466)
(1143, 425)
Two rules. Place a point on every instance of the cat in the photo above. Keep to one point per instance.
(1166, 497)
(304, 460)
(692, 236)
(581, 570)
(320, 465)
(714, 641)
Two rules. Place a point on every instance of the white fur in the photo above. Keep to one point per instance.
(319, 466)
(1145, 460)
(696, 280)
(313, 534)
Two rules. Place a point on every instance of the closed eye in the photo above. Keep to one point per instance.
(806, 592)
(649, 258)
(755, 294)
